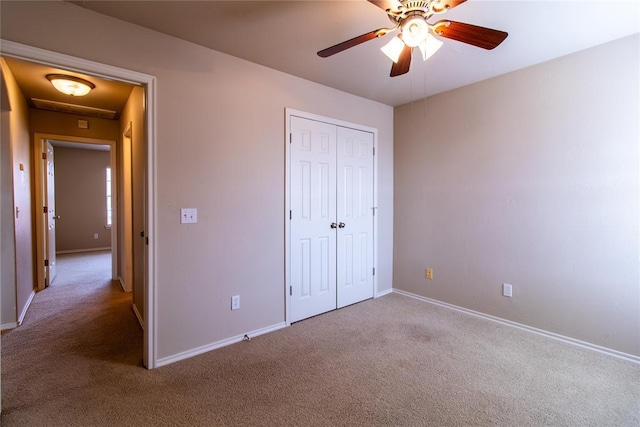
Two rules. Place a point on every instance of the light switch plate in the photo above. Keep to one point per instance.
(507, 290)
(188, 216)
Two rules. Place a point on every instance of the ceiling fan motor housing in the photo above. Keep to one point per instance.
(408, 9)
(414, 4)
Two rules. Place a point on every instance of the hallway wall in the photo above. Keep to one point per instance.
(133, 113)
(17, 289)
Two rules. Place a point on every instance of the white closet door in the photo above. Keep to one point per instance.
(355, 216)
(313, 211)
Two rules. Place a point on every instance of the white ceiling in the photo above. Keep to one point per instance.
(285, 35)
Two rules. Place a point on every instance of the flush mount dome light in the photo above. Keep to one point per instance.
(70, 85)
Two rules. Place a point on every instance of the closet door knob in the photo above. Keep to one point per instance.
(334, 225)
(341, 225)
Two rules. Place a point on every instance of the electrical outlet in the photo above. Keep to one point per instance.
(429, 273)
(188, 216)
(507, 290)
(235, 302)
(95, 235)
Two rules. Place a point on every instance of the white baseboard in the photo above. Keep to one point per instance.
(26, 307)
(218, 344)
(383, 293)
(122, 285)
(77, 251)
(7, 326)
(552, 335)
(13, 325)
(137, 313)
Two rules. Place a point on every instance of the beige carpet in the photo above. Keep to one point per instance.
(393, 361)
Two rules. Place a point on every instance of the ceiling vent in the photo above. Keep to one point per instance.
(63, 107)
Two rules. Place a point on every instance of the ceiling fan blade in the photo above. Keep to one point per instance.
(403, 64)
(485, 38)
(387, 4)
(444, 5)
(352, 42)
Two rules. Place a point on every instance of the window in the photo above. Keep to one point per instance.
(108, 197)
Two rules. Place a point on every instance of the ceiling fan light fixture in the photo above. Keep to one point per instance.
(414, 30)
(393, 49)
(410, 18)
(429, 46)
(70, 85)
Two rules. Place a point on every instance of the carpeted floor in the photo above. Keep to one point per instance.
(393, 361)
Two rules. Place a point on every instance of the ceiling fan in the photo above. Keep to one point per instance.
(410, 17)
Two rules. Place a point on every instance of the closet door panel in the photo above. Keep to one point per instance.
(313, 211)
(354, 216)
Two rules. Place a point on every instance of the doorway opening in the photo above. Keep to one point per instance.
(146, 158)
(70, 191)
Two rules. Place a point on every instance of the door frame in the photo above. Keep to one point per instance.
(148, 82)
(289, 112)
(39, 139)
(126, 277)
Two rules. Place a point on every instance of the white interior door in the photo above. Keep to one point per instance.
(331, 217)
(355, 216)
(50, 217)
(313, 213)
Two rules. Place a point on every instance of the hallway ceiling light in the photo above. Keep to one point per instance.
(70, 85)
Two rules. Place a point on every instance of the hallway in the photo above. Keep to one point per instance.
(83, 320)
(83, 313)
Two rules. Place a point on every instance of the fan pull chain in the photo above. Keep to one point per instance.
(424, 95)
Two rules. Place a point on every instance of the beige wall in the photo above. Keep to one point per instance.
(16, 293)
(7, 238)
(133, 114)
(80, 194)
(220, 149)
(51, 122)
(531, 179)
